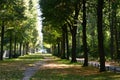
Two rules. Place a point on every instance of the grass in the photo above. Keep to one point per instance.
(13, 69)
(74, 74)
(54, 69)
(58, 69)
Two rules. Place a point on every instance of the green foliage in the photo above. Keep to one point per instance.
(50, 34)
(51, 10)
(55, 14)
(12, 10)
(20, 23)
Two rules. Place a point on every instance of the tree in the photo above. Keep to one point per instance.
(52, 11)
(67, 42)
(2, 40)
(10, 12)
(84, 35)
(73, 27)
(74, 30)
(100, 34)
(15, 20)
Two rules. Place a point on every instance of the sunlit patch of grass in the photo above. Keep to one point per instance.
(31, 57)
(65, 61)
(13, 69)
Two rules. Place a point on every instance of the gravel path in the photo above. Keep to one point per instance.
(30, 71)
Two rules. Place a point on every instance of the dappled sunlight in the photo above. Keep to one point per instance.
(115, 76)
(53, 65)
(69, 69)
(56, 69)
(31, 65)
(73, 70)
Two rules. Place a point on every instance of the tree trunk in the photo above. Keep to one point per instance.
(111, 31)
(74, 45)
(58, 48)
(115, 29)
(74, 30)
(23, 49)
(84, 35)
(63, 43)
(27, 48)
(2, 41)
(116, 40)
(10, 52)
(54, 49)
(100, 35)
(67, 43)
(15, 43)
(20, 49)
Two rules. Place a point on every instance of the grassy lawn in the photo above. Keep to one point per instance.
(64, 70)
(13, 69)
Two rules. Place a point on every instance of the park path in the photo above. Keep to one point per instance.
(30, 71)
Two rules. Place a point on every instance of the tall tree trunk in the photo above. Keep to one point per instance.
(20, 49)
(74, 31)
(74, 45)
(111, 31)
(27, 47)
(10, 52)
(23, 49)
(63, 43)
(67, 43)
(53, 50)
(58, 46)
(116, 42)
(84, 35)
(100, 35)
(15, 43)
(119, 41)
(2, 41)
(116, 39)
(115, 29)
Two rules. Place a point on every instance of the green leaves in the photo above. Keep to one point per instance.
(11, 10)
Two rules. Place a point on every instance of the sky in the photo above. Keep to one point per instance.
(39, 26)
(39, 20)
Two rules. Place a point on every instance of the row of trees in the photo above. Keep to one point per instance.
(18, 27)
(78, 27)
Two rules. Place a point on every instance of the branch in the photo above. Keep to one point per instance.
(69, 25)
